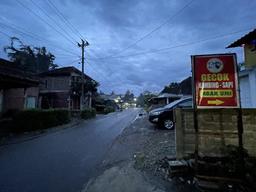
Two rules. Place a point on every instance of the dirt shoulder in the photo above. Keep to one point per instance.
(133, 161)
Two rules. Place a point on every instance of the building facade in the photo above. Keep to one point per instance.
(62, 88)
(18, 89)
(247, 73)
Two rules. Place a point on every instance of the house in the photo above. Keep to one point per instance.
(163, 99)
(172, 92)
(247, 73)
(18, 89)
(62, 88)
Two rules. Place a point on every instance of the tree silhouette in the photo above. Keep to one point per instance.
(29, 58)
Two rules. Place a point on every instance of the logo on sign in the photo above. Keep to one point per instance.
(215, 65)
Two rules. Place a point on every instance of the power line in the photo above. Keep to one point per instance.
(51, 18)
(42, 19)
(55, 54)
(103, 79)
(162, 50)
(106, 66)
(63, 18)
(51, 45)
(71, 62)
(67, 22)
(155, 29)
(65, 55)
(97, 71)
(5, 34)
(35, 36)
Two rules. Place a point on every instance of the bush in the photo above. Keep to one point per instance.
(109, 109)
(35, 119)
(88, 113)
(10, 113)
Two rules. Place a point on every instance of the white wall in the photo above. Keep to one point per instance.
(247, 80)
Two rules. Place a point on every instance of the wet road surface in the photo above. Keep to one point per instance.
(61, 161)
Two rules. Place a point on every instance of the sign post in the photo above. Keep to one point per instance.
(215, 81)
(215, 85)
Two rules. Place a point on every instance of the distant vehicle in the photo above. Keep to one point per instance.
(164, 116)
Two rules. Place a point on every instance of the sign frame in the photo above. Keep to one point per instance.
(236, 81)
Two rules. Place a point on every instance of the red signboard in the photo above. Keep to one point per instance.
(215, 81)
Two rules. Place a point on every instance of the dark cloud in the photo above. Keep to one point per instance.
(112, 25)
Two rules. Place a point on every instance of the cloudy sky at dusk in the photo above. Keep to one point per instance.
(134, 44)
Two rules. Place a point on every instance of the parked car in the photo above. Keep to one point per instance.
(164, 116)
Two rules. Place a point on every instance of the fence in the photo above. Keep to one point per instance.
(217, 128)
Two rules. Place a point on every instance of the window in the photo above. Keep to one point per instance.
(185, 104)
(31, 103)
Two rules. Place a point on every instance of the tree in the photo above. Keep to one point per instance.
(144, 98)
(174, 88)
(28, 58)
(140, 100)
(89, 86)
(128, 96)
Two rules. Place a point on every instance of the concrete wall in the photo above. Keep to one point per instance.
(217, 128)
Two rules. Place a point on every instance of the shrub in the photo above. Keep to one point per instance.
(88, 113)
(63, 116)
(109, 109)
(35, 119)
(10, 113)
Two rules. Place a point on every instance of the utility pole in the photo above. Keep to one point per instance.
(82, 45)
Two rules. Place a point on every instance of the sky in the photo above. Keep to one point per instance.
(140, 45)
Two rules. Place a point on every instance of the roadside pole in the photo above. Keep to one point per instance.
(82, 45)
(240, 127)
(195, 113)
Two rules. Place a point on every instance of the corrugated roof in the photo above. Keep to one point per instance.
(243, 40)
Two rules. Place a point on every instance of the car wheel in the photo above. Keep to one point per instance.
(168, 124)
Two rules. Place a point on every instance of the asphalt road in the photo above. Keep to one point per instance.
(61, 161)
